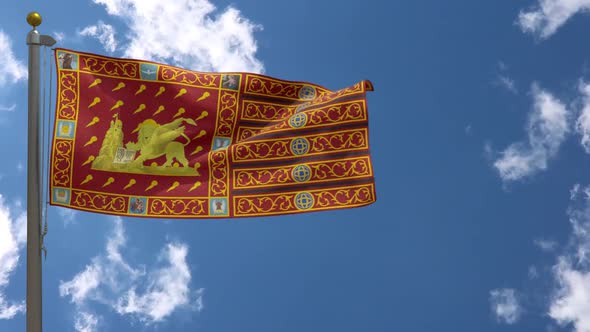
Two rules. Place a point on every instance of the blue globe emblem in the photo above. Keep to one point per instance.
(304, 201)
(307, 92)
(298, 120)
(301, 173)
(299, 146)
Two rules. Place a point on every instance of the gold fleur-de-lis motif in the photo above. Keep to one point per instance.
(173, 186)
(92, 122)
(179, 113)
(118, 104)
(180, 93)
(129, 184)
(159, 110)
(109, 181)
(91, 140)
(201, 134)
(89, 160)
(195, 186)
(95, 101)
(95, 83)
(160, 91)
(87, 179)
(204, 96)
(140, 89)
(152, 185)
(197, 150)
(202, 116)
(139, 108)
(119, 86)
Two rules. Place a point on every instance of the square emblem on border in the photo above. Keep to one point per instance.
(148, 71)
(230, 82)
(67, 60)
(218, 206)
(220, 143)
(65, 129)
(61, 196)
(137, 205)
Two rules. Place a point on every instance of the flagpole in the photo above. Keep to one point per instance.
(34, 290)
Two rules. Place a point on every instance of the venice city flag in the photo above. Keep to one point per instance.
(138, 138)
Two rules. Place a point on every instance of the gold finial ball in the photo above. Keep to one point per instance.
(34, 19)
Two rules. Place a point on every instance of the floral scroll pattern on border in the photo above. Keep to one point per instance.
(171, 74)
(344, 197)
(177, 207)
(322, 171)
(245, 133)
(68, 97)
(261, 150)
(62, 163)
(319, 144)
(219, 173)
(276, 88)
(345, 112)
(256, 111)
(100, 202)
(262, 177)
(269, 204)
(342, 141)
(228, 110)
(328, 97)
(110, 67)
(264, 204)
(335, 170)
(321, 117)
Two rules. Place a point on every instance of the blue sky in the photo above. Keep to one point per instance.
(480, 137)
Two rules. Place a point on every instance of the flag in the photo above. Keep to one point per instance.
(139, 138)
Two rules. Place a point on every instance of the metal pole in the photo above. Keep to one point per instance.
(34, 291)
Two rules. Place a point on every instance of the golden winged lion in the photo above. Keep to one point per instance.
(155, 140)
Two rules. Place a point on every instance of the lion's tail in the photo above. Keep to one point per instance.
(188, 140)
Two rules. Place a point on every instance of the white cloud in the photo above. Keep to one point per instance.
(86, 322)
(85, 282)
(570, 304)
(68, 216)
(9, 310)
(468, 129)
(11, 69)
(574, 191)
(188, 33)
(547, 128)
(583, 122)
(150, 296)
(505, 305)
(167, 288)
(114, 245)
(105, 33)
(198, 305)
(544, 19)
(10, 108)
(13, 237)
(545, 245)
(503, 80)
(59, 36)
(507, 83)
